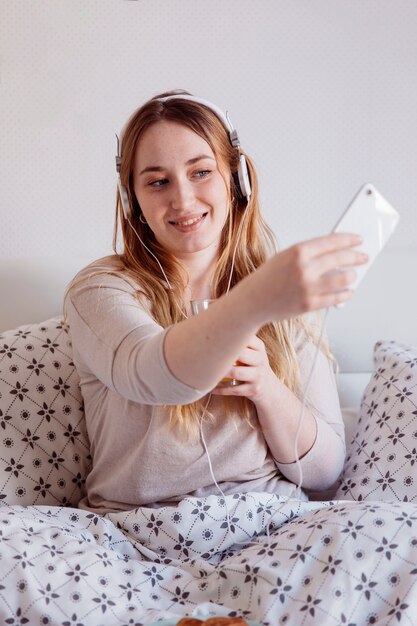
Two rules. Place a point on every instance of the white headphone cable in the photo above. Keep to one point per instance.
(299, 424)
(300, 421)
(150, 252)
(305, 392)
(301, 417)
(209, 397)
(297, 459)
(211, 467)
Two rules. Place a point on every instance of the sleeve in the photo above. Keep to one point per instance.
(323, 463)
(116, 340)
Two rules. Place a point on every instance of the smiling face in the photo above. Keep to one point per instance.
(180, 189)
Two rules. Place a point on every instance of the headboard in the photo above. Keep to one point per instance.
(384, 307)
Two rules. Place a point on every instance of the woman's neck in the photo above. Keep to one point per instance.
(200, 268)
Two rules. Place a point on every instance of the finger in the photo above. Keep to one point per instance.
(255, 343)
(242, 390)
(250, 356)
(339, 259)
(244, 373)
(329, 243)
(337, 280)
(327, 300)
(254, 352)
(345, 257)
(337, 241)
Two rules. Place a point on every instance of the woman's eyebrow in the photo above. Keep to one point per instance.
(159, 168)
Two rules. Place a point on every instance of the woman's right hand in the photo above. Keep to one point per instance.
(308, 275)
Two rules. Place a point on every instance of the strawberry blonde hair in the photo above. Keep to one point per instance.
(256, 243)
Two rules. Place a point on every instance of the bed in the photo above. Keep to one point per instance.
(347, 556)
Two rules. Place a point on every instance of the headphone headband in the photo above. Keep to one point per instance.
(223, 117)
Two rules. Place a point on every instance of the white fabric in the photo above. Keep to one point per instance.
(44, 448)
(382, 453)
(323, 564)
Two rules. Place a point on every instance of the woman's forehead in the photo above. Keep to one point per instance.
(169, 140)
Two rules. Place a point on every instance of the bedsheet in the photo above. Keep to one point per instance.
(270, 559)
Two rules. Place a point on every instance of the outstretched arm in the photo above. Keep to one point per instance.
(300, 279)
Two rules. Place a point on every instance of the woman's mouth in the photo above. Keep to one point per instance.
(192, 223)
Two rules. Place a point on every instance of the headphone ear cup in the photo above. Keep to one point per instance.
(124, 199)
(243, 175)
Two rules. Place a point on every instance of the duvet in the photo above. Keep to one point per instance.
(271, 560)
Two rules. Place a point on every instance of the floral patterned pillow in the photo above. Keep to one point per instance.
(381, 459)
(44, 448)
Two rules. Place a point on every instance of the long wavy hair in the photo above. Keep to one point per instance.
(256, 242)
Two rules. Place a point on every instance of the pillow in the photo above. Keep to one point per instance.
(381, 460)
(44, 448)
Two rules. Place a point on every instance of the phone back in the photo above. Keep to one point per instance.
(372, 217)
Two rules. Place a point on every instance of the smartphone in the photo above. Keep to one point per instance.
(372, 217)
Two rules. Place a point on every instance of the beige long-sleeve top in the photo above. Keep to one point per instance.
(138, 459)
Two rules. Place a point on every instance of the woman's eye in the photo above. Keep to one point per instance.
(202, 173)
(158, 183)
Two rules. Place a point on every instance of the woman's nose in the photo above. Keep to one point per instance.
(182, 195)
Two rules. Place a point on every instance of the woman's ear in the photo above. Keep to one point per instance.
(136, 210)
(236, 191)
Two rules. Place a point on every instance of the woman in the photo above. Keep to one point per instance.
(160, 426)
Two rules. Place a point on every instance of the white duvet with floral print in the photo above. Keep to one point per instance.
(346, 563)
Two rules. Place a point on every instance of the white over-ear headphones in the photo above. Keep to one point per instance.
(242, 180)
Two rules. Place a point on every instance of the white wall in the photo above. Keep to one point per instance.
(323, 93)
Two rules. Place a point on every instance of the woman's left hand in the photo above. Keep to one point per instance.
(253, 371)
